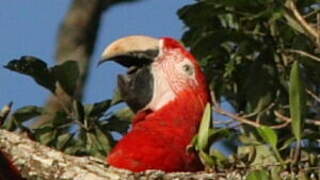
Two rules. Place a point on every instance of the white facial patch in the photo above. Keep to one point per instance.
(172, 73)
(162, 91)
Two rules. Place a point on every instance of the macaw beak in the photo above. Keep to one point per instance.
(137, 54)
(132, 51)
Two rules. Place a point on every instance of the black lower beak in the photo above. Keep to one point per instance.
(136, 88)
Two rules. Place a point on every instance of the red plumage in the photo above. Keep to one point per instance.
(159, 137)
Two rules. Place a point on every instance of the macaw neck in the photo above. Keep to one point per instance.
(180, 116)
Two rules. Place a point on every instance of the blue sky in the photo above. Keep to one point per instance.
(30, 28)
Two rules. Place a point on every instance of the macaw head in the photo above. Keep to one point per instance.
(159, 71)
(166, 88)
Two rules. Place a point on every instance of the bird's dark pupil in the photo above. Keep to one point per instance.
(188, 69)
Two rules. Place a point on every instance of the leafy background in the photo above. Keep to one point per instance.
(261, 57)
(28, 31)
(263, 60)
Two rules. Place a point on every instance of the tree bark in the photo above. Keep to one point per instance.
(36, 161)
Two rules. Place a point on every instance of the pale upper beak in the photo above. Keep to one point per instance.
(132, 50)
(136, 53)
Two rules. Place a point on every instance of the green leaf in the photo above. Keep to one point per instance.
(105, 141)
(287, 143)
(116, 97)
(34, 67)
(43, 130)
(60, 118)
(124, 114)
(99, 108)
(248, 153)
(119, 121)
(67, 74)
(64, 140)
(258, 94)
(268, 135)
(203, 135)
(248, 140)
(98, 143)
(25, 113)
(207, 160)
(297, 100)
(45, 135)
(258, 175)
(90, 142)
(10, 124)
(263, 156)
(275, 173)
(79, 111)
(205, 15)
(218, 134)
(220, 157)
(117, 125)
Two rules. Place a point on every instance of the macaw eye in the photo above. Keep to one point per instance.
(188, 69)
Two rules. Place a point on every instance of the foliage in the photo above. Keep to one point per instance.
(83, 129)
(262, 57)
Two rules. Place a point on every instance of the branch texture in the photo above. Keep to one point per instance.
(36, 161)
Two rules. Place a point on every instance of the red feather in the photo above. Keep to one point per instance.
(159, 139)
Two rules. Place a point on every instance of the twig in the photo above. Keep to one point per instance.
(303, 53)
(223, 122)
(312, 121)
(282, 117)
(311, 13)
(311, 31)
(217, 108)
(297, 152)
(317, 98)
(236, 117)
(288, 120)
(5, 111)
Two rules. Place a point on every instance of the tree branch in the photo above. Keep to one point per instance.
(36, 161)
(76, 40)
(303, 53)
(304, 24)
(313, 95)
(217, 108)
